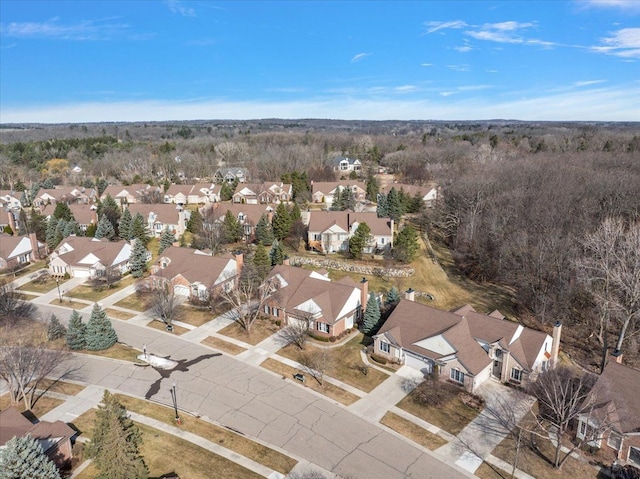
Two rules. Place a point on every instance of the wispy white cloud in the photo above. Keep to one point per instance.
(7, 47)
(619, 4)
(104, 29)
(459, 68)
(622, 43)
(597, 104)
(426, 64)
(588, 82)
(286, 90)
(447, 93)
(179, 7)
(405, 88)
(433, 27)
(359, 56)
(463, 49)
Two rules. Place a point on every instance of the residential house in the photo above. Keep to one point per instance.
(464, 346)
(429, 194)
(325, 192)
(193, 273)
(262, 193)
(10, 199)
(85, 257)
(229, 175)
(327, 307)
(330, 231)
(68, 195)
(19, 250)
(162, 215)
(84, 214)
(136, 193)
(200, 193)
(345, 164)
(55, 438)
(613, 422)
(247, 215)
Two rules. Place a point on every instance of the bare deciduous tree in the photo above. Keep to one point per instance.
(317, 363)
(25, 361)
(297, 331)
(165, 304)
(247, 299)
(12, 306)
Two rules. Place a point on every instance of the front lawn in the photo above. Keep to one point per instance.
(328, 389)
(195, 316)
(115, 313)
(346, 363)
(451, 416)
(412, 431)
(222, 345)
(165, 453)
(137, 301)
(117, 351)
(39, 286)
(43, 404)
(95, 294)
(261, 329)
(160, 326)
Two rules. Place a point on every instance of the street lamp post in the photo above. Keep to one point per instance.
(58, 285)
(175, 402)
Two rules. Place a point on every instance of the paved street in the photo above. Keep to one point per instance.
(260, 404)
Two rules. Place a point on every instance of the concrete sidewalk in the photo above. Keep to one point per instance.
(375, 405)
(74, 406)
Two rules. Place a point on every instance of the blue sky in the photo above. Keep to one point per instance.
(444, 60)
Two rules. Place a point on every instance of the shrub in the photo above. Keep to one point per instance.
(379, 359)
(432, 392)
(317, 337)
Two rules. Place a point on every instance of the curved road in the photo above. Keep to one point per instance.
(261, 405)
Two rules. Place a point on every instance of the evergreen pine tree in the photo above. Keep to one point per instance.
(295, 214)
(264, 231)
(105, 229)
(371, 315)
(99, 334)
(91, 230)
(262, 261)
(52, 233)
(232, 228)
(76, 332)
(101, 185)
(194, 225)
(33, 192)
(63, 211)
(166, 239)
(393, 296)
(22, 457)
(277, 253)
(71, 228)
(115, 442)
(47, 184)
(124, 225)
(111, 210)
(138, 229)
(338, 200)
(138, 259)
(359, 240)
(394, 204)
(373, 187)
(382, 208)
(406, 247)
(348, 199)
(55, 329)
(226, 192)
(281, 222)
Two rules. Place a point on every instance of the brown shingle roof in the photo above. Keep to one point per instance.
(323, 220)
(15, 424)
(106, 251)
(192, 265)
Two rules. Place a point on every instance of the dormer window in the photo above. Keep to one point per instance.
(498, 353)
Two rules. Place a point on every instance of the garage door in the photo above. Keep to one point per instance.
(418, 363)
(181, 290)
(80, 273)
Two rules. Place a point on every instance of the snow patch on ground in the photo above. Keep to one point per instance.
(157, 361)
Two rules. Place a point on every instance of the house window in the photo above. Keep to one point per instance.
(266, 309)
(276, 312)
(516, 374)
(614, 441)
(457, 376)
(498, 353)
(324, 327)
(634, 455)
(385, 347)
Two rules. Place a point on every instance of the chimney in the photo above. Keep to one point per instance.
(94, 216)
(12, 223)
(270, 216)
(555, 347)
(239, 257)
(617, 356)
(286, 261)
(410, 294)
(364, 294)
(35, 251)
